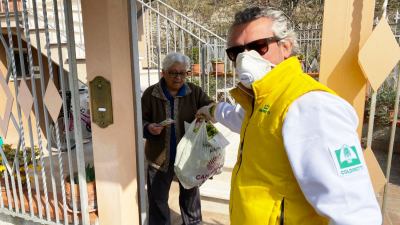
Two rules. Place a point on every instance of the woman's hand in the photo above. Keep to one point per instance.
(154, 128)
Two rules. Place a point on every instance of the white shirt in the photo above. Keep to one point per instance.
(317, 128)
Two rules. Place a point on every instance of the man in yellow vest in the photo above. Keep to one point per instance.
(300, 161)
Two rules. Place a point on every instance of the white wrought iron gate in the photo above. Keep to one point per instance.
(44, 128)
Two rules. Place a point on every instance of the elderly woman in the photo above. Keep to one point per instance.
(172, 97)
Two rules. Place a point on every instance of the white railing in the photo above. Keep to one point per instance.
(166, 30)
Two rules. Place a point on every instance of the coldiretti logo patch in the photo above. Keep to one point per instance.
(347, 160)
(347, 157)
(265, 109)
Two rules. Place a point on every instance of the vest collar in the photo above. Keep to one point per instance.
(282, 74)
(159, 93)
(279, 76)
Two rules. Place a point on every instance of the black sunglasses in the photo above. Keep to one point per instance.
(260, 45)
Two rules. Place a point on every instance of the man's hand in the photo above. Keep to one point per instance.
(207, 112)
(154, 128)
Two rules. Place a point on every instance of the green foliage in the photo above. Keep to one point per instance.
(384, 104)
(211, 130)
(217, 60)
(195, 80)
(392, 7)
(194, 55)
(10, 152)
(90, 174)
(211, 85)
(217, 15)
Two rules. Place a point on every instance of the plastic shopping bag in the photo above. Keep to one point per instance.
(200, 154)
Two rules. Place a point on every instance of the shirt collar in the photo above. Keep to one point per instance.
(181, 91)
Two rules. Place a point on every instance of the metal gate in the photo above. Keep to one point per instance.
(45, 129)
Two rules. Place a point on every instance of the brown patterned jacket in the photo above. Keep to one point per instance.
(156, 108)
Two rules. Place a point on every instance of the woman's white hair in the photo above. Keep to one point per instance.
(175, 57)
(281, 25)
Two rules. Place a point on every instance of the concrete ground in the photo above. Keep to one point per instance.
(392, 212)
(215, 212)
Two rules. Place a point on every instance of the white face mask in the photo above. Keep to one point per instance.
(251, 67)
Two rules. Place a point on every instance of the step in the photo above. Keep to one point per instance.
(214, 212)
(4, 23)
(81, 67)
(31, 20)
(55, 45)
(81, 70)
(51, 22)
(50, 2)
(49, 5)
(232, 149)
(79, 39)
(219, 187)
(32, 30)
(80, 54)
(75, 14)
(78, 60)
(217, 207)
(3, 16)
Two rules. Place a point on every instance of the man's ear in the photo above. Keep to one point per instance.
(286, 48)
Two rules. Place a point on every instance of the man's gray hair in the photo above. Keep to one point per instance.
(282, 27)
(175, 57)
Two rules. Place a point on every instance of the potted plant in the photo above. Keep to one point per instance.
(218, 66)
(194, 57)
(91, 189)
(10, 153)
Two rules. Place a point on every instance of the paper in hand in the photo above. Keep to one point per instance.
(167, 122)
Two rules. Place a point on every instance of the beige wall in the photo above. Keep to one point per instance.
(108, 54)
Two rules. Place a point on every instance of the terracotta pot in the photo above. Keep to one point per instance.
(11, 6)
(314, 75)
(195, 69)
(218, 68)
(91, 191)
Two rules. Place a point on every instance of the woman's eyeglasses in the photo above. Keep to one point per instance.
(177, 74)
(261, 46)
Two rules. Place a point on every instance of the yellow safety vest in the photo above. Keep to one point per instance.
(264, 189)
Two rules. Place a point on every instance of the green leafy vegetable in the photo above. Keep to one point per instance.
(211, 130)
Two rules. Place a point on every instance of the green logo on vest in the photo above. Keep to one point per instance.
(265, 109)
(348, 160)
